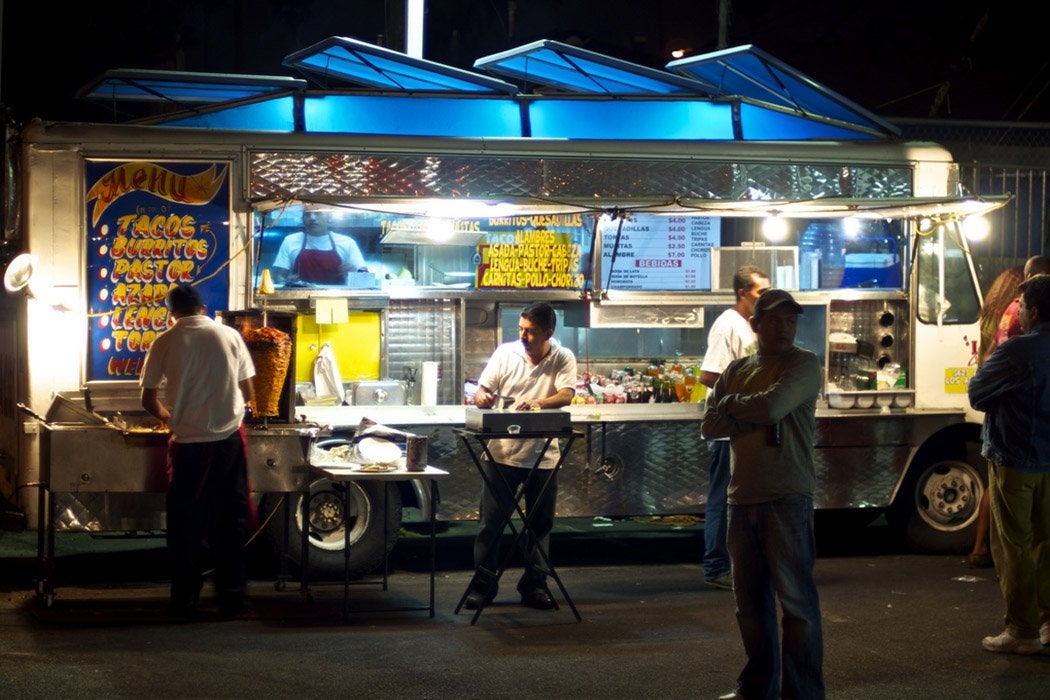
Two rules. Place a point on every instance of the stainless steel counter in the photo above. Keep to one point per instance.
(349, 417)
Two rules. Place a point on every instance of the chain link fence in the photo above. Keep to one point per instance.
(999, 159)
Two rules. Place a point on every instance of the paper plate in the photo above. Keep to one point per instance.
(378, 451)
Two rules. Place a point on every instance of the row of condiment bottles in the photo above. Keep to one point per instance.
(658, 383)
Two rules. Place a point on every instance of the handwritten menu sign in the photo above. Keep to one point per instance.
(658, 253)
(532, 252)
(151, 225)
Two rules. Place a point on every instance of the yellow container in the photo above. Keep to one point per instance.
(699, 392)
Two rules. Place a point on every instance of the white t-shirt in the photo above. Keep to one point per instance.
(347, 247)
(203, 362)
(730, 338)
(509, 372)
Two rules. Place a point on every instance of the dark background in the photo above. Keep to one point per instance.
(899, 58)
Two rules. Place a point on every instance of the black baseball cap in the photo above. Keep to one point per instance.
(770, 299)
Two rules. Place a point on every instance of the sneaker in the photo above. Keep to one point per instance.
(725, 582)
(1044, 634)
(1006, 643)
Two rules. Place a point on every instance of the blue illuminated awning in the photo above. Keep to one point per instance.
(351, 61)
(747, 71)
(565, 67)
(183, 87)
(739, 94)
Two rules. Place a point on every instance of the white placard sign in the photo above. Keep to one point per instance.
(659, 253)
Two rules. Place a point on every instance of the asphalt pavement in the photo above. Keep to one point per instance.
(896, 625)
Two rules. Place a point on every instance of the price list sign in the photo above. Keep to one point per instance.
(659, 253)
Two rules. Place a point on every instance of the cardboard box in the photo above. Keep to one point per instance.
(492, 421)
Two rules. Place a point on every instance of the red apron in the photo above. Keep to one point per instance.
(319, 266)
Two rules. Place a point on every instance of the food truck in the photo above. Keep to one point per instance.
(625, 196)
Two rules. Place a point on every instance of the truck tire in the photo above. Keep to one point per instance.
(375, 523)
(936, 507)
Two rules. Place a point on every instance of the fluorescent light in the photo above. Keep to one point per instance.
(976, 228)
(774, 228)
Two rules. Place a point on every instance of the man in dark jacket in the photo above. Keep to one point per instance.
(1013, 389)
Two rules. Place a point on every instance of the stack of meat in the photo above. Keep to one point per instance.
(271, 352)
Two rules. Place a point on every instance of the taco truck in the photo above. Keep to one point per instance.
(626, 196)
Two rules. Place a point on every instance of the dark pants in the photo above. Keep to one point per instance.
(773, 549)
(716, 552)
(208, 510)
(494, 508)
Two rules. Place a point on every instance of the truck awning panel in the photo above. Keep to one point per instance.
(631, 119)
(405, 115)
(187, 88)
(506, 117)
(747, 71)
(762, 123)
(565, 67)
(344, 60)
(276, 114)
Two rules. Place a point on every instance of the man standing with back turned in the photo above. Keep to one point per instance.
(1012, 387)
(766, 405)
(206, 372)
(730, 338)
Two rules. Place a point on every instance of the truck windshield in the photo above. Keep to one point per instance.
(946, 293)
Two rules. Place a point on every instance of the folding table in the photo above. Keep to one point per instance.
(342, 475)
(476, 442)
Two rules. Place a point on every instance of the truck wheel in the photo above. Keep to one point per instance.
(936, 508)
(373, 531)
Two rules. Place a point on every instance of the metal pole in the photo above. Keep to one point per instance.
(414, 12)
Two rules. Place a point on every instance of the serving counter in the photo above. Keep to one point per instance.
(349, 417)
(649, 459)
(632, 459)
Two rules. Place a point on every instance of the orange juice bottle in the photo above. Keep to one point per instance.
(681, 393)
(688, 383)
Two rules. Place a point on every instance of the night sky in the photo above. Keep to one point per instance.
(898, 58)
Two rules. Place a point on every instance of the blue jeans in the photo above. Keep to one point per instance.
(495, 506)
(773, 549)
(716, 554)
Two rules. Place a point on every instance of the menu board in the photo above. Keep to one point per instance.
(533, 252)
(150, 225)
(652, 252)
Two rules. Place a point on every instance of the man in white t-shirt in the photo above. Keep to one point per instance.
(197, 379)
(538, 372)
(316, 255)
(730, 338)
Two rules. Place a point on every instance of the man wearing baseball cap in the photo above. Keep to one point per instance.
(766, 406)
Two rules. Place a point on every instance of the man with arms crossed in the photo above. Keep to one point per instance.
(730, 338)
(766, 405)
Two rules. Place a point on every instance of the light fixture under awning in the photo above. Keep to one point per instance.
(835, 207)
(825, 207)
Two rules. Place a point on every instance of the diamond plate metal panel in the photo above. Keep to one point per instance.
(423, 330)
(645, 469)
(858, 477)
(661, 468)
(350, 175)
